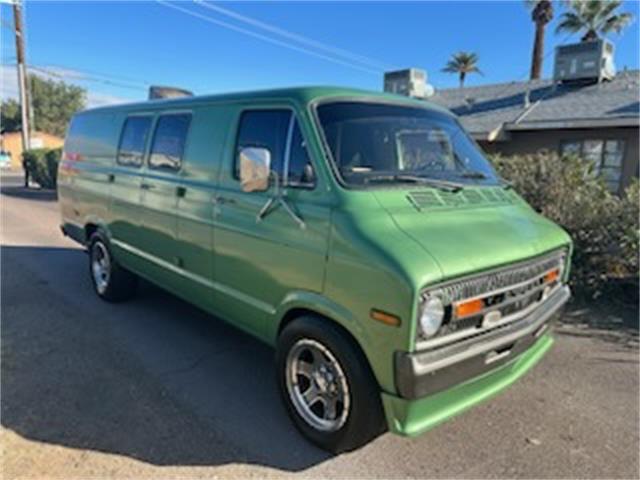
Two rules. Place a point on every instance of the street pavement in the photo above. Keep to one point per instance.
(157, 388)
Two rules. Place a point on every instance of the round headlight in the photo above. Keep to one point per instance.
(431, 317)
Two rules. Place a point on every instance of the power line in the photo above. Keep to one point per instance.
(62, 75)
(265, 38)
(297, 37)
(108, 76)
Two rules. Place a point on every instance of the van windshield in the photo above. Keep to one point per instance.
(374, 143)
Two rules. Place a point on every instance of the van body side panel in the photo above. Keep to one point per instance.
(195, 209)
(158, 209)
(259, 261)
(90, 149)
(125, 225)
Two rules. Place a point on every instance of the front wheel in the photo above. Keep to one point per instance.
(110, 280)
(327, 386)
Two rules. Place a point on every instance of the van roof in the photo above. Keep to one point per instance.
(303, 95)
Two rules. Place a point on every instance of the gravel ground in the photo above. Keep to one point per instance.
(156, 388)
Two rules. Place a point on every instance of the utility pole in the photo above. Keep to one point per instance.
(22, 80)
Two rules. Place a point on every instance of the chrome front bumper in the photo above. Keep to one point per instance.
(423, 373)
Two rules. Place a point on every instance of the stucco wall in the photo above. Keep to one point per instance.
(12, 142)
(534, 141)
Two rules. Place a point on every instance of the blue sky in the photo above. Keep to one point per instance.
(115, 49)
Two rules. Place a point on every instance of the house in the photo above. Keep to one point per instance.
(11, 142)
(598, 121)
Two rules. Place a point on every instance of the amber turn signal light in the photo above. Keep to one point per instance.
(464, 309)
(552, 276)
(385, 317)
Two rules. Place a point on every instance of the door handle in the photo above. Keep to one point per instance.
(111, 178)
(181, 191)
(146, 186)
(223, 201)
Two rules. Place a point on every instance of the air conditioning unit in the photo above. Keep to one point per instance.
(156, 92)
(411, 82)
(584, 61)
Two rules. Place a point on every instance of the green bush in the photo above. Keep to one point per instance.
(604, 227)
(42, 165)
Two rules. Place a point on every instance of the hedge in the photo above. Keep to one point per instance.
(42, 165)
(604, 226)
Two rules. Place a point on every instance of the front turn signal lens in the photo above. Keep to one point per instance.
(385, 317)
(552, 276)
(465, 309)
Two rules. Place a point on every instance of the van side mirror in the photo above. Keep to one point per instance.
(255, 165)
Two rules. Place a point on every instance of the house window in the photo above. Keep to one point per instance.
(605, 155)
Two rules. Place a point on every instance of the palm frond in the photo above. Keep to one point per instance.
(593, 16)
(616, 23)
(570, 22)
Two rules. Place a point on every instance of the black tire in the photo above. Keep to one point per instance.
(119, 284)
(365, 417)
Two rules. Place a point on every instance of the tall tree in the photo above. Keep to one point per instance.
(53, 102)
(10, 116)
(593, 17)
(541, 14)
(462, 63)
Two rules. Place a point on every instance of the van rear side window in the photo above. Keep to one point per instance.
(169, 140)
(133, 141)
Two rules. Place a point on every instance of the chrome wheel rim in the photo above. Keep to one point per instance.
(100, 266)
(317, 385)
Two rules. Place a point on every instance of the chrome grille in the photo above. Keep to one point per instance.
(474, 287)
(510, 292)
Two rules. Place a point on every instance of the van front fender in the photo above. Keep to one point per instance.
(316, 303)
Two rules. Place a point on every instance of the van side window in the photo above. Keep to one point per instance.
(265, 129)
(133, 141)
(169, 140)
(270, 129)
(301, 172)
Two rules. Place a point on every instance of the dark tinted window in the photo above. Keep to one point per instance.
(169, 140)
(265, 129)
(133, 141)
(300, 169)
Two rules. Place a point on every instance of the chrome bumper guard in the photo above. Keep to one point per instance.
(423, 373)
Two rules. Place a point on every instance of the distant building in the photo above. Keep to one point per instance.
(586, 109)
(11, 142)
(599, 122)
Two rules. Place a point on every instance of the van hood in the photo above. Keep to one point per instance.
(472, 230)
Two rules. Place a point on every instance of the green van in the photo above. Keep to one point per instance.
(362, 234)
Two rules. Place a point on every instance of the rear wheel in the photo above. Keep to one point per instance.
(110, 280)
(327, 386)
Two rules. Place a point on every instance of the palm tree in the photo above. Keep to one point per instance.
(541, 14)
(593, 17)
(462, 63)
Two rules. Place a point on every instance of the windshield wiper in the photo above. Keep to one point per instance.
(475, 174)
(432, 182)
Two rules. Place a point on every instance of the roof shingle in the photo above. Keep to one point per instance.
(485, 108)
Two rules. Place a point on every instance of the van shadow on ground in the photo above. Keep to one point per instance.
(39, 194)
(154, 379)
